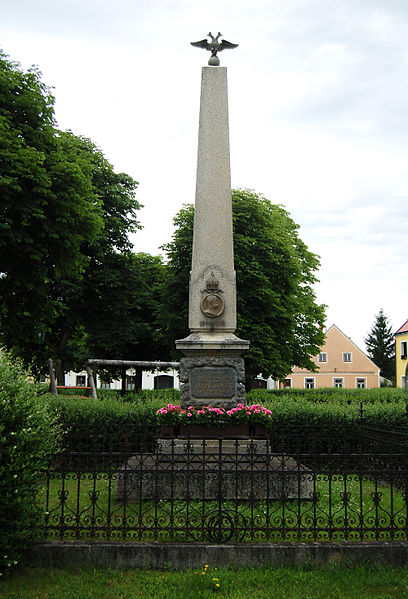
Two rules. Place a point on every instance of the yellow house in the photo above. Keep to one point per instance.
(341, 364)
(401, 360)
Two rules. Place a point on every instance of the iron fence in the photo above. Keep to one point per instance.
(278, 488)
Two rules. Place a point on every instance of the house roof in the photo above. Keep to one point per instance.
(403, 329)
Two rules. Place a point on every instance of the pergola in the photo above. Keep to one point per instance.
(125, 364)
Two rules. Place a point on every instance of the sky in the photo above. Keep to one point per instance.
(318, 115)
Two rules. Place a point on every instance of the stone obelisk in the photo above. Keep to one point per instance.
(212, 370)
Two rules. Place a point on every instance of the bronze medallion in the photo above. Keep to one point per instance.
(212, 305)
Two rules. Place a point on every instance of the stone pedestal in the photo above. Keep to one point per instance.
(213, 470)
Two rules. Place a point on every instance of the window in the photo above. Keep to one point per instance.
(81, 380)
(165, 381)
(105, 385)
(403, 350)
(130, 382)
(361, 383)
(323, 357)
(338, 383)
(309, 383)
(287, 383)
(347, 357)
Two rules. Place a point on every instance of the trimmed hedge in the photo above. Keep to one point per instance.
(327, 420)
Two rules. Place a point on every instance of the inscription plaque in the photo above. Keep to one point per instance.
(213, 383)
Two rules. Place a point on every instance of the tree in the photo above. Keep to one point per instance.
(47, 203)
(381, 346)
(67, 335)
(63, 213)
(123, 291)
(276, 304)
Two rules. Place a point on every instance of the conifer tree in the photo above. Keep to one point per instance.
(381, 346)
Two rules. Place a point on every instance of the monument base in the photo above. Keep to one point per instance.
(213, 470)
(212, 373)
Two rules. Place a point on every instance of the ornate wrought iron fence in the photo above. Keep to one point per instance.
(220, 490)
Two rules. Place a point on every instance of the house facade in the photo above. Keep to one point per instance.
(340, 364)
(401, 359)
(156, 379)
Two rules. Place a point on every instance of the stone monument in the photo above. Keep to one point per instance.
(212, 465)
(212, 371)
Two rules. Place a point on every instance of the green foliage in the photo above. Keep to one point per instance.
(65, 253)
(276, 304)
(28, 436)
(327, 415)
(381, 346)
(122, 289)
(107, 425)
(47, 207)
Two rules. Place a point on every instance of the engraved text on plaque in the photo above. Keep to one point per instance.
(213, 383)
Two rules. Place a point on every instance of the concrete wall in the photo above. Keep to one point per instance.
(180, 556)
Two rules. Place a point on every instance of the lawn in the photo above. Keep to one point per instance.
(343, 507)
(308, 582)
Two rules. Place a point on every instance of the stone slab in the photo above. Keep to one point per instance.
(237, 476)
(209, 382)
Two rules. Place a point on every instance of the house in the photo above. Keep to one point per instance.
(156, 379)
(401, 360)
(341, 364)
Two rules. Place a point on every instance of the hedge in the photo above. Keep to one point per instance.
(314, 420)
(28, 436)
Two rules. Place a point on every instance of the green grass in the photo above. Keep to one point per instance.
(357, 508)
(309, 582)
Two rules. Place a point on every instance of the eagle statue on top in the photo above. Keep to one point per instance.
(214, 46)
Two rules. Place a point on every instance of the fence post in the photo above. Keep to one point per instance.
(361, 447)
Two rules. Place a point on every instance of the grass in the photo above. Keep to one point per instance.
(308, 582)
(358, 508)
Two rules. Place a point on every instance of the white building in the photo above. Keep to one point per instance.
(156, 379)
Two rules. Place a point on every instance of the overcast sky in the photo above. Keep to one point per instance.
(318, 118)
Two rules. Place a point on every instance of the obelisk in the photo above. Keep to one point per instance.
(212, 371)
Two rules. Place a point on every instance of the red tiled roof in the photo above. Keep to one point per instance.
(403, 329)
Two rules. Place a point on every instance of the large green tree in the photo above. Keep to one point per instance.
(65, 219)
(78, 304)
(47, 203)
(276, 303)
(381, 345)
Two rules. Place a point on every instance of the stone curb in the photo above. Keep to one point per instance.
(178, 556)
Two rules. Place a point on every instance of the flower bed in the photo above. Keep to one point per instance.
(208, 416)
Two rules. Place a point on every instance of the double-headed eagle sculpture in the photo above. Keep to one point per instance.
(214, 46)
